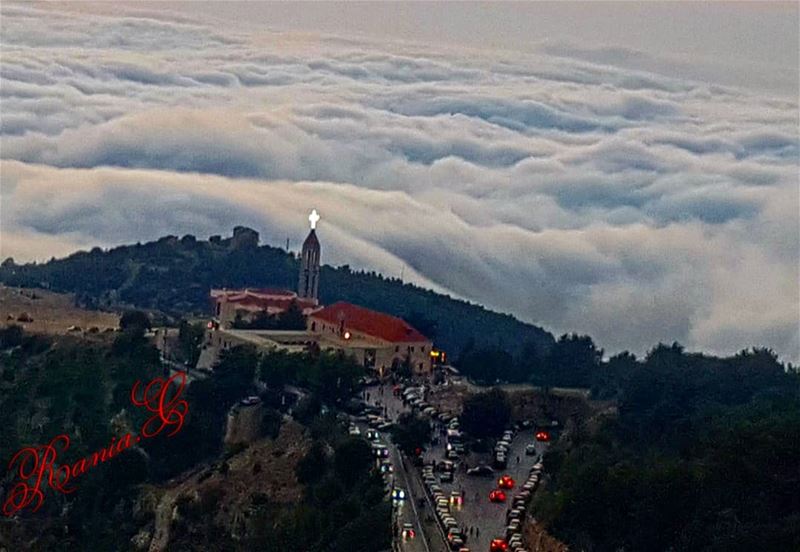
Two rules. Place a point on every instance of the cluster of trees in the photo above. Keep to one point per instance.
(703, 455)
(343, 508)
(290, 319)
(80, 387)
(190, 338)
(486, 414)
(572, 361)
(11, 336)
(174, 276)
(411, 433)
(331, 375)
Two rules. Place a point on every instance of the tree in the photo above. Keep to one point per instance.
(292, 318)
(134, 319)
(336, 376)
(271, 423)
(611, 376)
(486, 414)
(11, 336)
(530, 364)
(278, 368)
(426, 326)
(307, 409)
(190, 337)
(313, 466)
(411, 432)
(571, 362)
(369, 532)
(487, 365)
(234, 374)
(351, 459)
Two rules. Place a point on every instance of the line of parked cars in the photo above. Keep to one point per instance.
(454, 447)
(501, 449)
(442, 503)
(415, 398)
(515, 516)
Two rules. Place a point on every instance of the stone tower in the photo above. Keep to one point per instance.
(308, 285)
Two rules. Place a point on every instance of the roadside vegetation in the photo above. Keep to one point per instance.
(703, 455)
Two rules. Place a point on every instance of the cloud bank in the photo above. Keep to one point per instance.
(573, 193)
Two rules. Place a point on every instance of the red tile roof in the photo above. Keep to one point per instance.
(370, 322)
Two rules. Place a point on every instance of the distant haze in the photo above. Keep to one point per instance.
(624, 170)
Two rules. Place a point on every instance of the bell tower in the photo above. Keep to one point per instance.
(308, 285)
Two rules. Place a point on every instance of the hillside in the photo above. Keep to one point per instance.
(174, 275)
(303, 482)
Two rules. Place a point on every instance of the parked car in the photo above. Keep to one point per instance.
(481, 470)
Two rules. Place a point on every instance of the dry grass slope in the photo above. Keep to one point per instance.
(45, 312)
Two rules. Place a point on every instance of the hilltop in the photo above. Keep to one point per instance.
(174, 275)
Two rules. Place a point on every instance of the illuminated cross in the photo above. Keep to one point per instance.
(313, 218)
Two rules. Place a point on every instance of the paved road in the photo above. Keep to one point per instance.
(408, 511)
(476, 511)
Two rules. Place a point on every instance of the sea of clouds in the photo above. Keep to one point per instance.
(579, 195)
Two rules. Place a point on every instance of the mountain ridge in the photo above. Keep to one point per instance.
(174, 275)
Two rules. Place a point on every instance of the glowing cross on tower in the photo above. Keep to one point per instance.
(313, 218)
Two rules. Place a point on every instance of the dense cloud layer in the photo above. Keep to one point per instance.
(574, 193)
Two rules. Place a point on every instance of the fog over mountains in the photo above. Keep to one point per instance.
(575, 186)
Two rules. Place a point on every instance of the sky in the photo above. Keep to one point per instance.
(625, 170)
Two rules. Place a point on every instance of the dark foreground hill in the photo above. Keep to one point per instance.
(174, 275)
